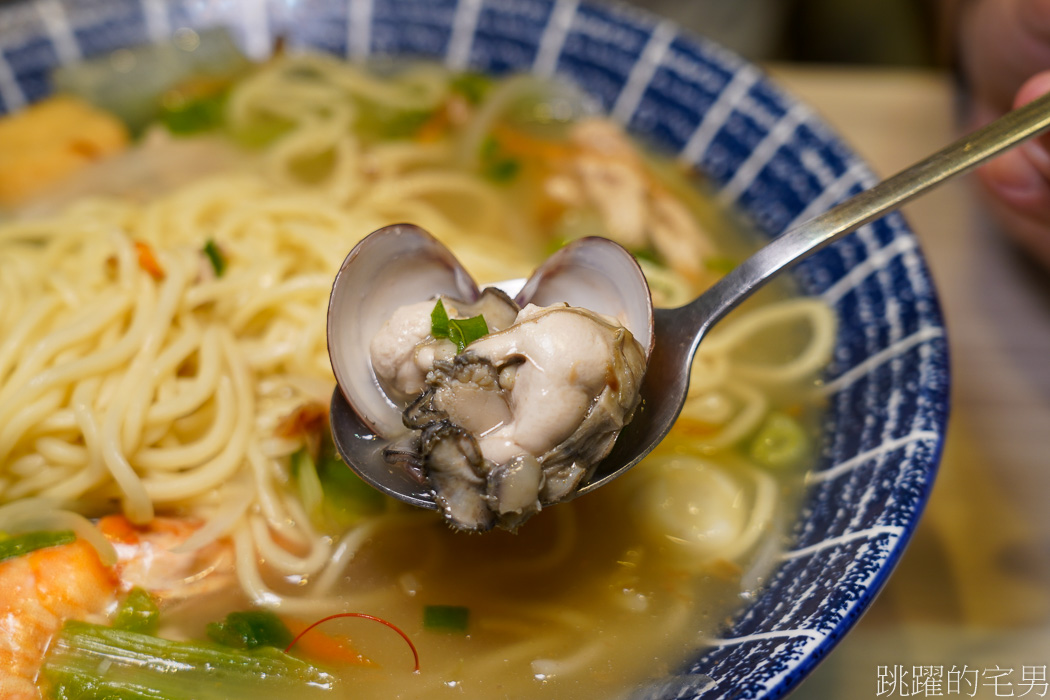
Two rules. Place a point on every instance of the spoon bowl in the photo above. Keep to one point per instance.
(677, 332)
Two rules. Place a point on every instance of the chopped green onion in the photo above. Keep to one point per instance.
(472, 86)
(439, 320)
(138, 612)
(251, 629)
(17, 545)
(185, 117)
(465, 331)
(495, 164)
(92, 661)
(462, 332)
(215, 256)
(446, 618)
(780, 443)
(502, 170)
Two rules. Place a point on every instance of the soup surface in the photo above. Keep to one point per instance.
(165, 270)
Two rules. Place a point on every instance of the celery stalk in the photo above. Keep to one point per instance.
(89, 661)
(311, 492)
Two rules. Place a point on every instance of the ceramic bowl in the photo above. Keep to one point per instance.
(766, 153)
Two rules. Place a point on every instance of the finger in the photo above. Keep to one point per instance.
(1018, 182)
(1038, 149)
(1036, 86)
(1022, 174)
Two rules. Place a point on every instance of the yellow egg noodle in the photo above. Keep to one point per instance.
(163, 392)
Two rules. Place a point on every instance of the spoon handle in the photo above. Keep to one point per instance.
(797, 243)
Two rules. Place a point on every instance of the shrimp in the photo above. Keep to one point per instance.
(607, 173)
(39, 591)
(148, 557)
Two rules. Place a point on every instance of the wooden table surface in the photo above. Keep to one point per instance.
(973, 589)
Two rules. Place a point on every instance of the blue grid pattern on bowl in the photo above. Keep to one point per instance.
(766, 153)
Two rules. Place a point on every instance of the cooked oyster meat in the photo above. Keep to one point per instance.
(404, 349)
(517, 418)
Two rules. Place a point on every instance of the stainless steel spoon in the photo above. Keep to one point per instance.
(679, 331)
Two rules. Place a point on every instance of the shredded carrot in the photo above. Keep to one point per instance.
(726, 570)
(117, 528)
(307, 419)
(518, 143)
(326, 647)
(415, 654)
(434, 127)
(148, 261)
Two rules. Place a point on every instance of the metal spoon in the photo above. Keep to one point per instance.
(679, 331)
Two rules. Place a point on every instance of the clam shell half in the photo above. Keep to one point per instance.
(394, 266)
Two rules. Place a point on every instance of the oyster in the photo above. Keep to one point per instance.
(521, 416)
(517, 419)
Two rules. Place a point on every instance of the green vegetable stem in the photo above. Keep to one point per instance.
(93, 662)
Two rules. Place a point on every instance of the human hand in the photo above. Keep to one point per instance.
(1004, 53)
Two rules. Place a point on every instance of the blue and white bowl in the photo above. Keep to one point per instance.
(766, 153)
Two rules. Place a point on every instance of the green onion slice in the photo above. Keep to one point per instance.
(462, 332)
(781, 442)
(17, 545)
(446, 618)
(250, 629)
(215, 256)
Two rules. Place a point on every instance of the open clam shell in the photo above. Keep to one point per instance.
(402, 263)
